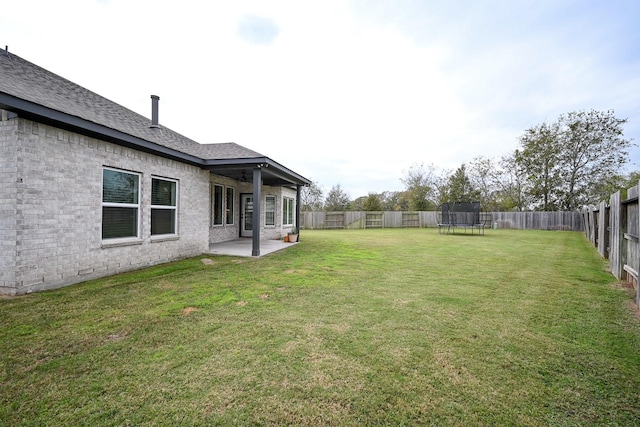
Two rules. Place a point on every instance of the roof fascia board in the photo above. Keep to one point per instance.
(286, 174)
(289, 172)
(54, 117)
(274, 168)
(253, 161)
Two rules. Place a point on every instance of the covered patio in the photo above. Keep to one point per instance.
(244, 247)
(243, 165)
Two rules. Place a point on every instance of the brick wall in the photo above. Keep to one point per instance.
(56, 177)
(224, 232)
(8, 210)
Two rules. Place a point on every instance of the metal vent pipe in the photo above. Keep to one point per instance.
(154, 111)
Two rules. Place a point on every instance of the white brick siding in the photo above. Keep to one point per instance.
(8, 203)
(51, 189)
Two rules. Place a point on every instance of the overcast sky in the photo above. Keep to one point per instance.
(345, 92)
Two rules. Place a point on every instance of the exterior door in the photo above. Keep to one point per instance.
(246, 215)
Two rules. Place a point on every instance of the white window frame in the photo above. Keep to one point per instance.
(230, 205)
(267, 211)
(214, 206)
(137, 206)
(165, 207)
(288, 210)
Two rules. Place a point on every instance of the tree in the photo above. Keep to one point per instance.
(443, 187)
(539, 159)
(394, 201)
(593, 149)
(615, 183)
(337, 200)
(372, 203)
(460, 188)
(568, 162)
(484, 177)
(420, 184)
(356, 204)
(311, 197)
(512, 183)
(630, 180)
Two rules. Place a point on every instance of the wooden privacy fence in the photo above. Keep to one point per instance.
(571, 221)
(614, 229)
(361, 219)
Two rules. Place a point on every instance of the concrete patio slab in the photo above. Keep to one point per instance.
(244, 247)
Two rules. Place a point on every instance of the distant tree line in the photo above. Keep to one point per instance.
(564, 165)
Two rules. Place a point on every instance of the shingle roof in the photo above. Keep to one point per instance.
(30, 82)
(226, 150)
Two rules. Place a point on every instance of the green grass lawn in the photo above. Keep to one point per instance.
(357, 327)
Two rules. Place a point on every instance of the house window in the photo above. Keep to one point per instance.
(120, 204)
(164, 208)
(287, 211)
(230, 203)
(270, 211)
(217, 204)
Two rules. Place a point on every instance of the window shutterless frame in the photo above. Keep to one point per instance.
(164, 206)
(218, 203)
(287, 211)
(120, 204)
(230, 204)
(270, 211)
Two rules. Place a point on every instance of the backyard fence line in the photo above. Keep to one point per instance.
(614, 229)
(318, 220)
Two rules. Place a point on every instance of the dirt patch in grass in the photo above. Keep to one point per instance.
(635, 309)
(188, 310)
(115, 337)
(340, 328)
(630, 290)
(626, 285)
(290, 347)
(207, 261)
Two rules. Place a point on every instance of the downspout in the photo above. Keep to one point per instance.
(255, 235)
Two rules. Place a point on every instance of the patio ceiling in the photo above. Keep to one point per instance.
(273, 174)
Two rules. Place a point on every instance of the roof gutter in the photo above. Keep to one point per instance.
(76, 124)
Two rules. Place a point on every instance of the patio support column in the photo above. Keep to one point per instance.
(257, 187)
(298, 210)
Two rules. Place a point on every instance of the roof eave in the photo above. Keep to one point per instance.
(69, 122)
(46, 115)
(273, 168)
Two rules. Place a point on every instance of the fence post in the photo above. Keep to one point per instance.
(592, 225)
(615, 235)
(637, 245)
(602, 230)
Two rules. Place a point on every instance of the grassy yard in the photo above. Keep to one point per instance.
(361, 327)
